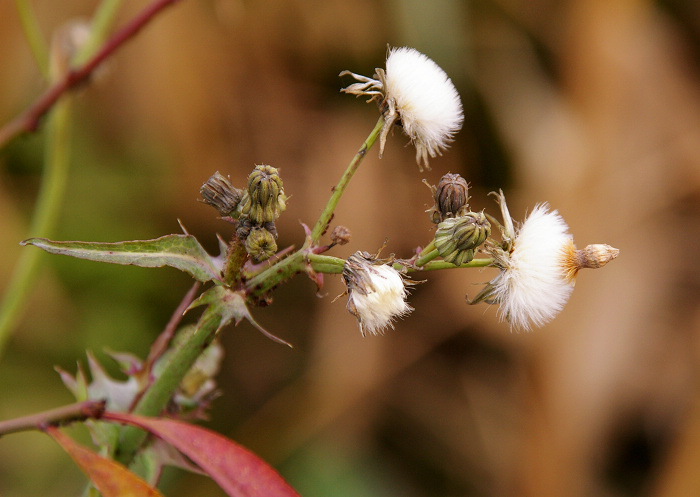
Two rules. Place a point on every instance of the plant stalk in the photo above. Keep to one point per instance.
(156, 398)
(339, 189)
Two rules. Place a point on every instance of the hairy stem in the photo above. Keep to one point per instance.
(339, 189)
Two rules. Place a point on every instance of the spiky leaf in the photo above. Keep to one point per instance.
(182, 252)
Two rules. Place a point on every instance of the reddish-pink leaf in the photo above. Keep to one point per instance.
(237, 470)
(109, 477)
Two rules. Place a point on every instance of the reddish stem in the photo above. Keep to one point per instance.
(28, 120)
(89, 409)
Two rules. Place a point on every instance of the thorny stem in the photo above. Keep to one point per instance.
(339, 189)
(65, 414)
(29, 119)
(156, 398)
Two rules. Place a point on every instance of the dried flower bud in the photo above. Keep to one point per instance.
(451, 197)
(265, 199)
(457, 237)
(218, 192)
(592, 256)
(260, 244)
(340, 235)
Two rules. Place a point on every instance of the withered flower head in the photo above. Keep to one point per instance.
(376, 292)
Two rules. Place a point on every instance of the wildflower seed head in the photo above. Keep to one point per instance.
(532, 286)
(260, 244)
(457, 237)
(451, 197)
(415, 93)
(218, 192)
(376, 293)
(264, 198)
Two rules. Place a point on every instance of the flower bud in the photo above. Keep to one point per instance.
(457, 237)
(340, 235)
(264, 199)
(451, 198)
(592, 256)
(260, 244)
(220, 194)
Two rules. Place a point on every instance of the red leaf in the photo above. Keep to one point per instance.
(109, 477)
(237, 470)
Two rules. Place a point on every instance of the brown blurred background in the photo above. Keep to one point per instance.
(591, 105)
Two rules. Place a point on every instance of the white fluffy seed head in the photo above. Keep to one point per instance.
(425, 100)
(376, 294)
(533, 287)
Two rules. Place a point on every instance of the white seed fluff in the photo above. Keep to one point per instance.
(383, 300)
(425, 100)
(532, 288)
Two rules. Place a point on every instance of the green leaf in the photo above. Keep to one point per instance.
(182, 252)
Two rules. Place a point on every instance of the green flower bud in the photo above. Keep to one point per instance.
(220, 194)
(260, 244)
(457, 237)
(264, 199)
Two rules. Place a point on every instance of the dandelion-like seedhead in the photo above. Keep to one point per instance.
(416, 93)
(376, 292)
(538, 264)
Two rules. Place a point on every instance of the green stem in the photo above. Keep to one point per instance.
(156, 398)
(51, 193)
(339, 189)
(438, 265)
(32, 31)
(427, 254)
(277, 273)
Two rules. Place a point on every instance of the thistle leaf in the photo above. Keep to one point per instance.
(182, 252)
(226, 305)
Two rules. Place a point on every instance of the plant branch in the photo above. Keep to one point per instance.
(339, 189)
(28, 121)
(61, 415)
(157, 396)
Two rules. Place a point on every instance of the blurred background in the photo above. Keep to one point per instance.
(591, 105)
